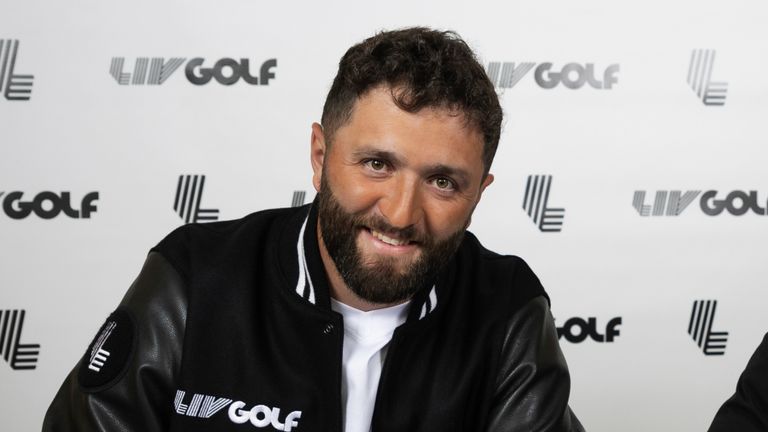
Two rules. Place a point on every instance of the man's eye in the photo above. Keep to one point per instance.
(444, 184)
(376, 164)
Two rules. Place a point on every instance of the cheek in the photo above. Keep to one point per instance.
(354, 195)
(444, 219)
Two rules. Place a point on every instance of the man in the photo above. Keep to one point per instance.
(370, 309)
(747, 409)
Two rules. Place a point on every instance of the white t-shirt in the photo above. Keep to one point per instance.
(366, 339)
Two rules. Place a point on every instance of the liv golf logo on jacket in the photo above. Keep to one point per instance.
(20, 356)
(189, 194)
(156, 70)
(14, 87)
(700, 78)
(547, 76)
(712, 203)
(700, 328)
(260, 416)
(536, 204)
(47, 205)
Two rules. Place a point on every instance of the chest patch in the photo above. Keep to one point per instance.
(109, 353)
(260, 416)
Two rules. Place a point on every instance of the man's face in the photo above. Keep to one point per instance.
(396, 192)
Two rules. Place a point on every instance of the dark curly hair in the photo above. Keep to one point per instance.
(423, 68)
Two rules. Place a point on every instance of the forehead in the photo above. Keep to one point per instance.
(430, 135)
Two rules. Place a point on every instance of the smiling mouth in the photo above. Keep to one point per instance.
(388, 240)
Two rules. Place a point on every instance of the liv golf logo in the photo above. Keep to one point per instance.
(700, 328)
(298, 198)
(536, 204)
(712, 203)
(203, 406)
(21, 356)
(572, 75)
(48, 205)
(700, 78)
(156, 70)
(14, 87)
(576, 330)
(189, 194)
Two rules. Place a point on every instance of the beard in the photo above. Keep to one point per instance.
(379, 279)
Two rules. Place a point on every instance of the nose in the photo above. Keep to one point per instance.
(402, 206)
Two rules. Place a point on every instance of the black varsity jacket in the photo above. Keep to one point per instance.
(228, 327)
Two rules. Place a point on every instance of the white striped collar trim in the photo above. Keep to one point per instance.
(304, 286)
(430, 303)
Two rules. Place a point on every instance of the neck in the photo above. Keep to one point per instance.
(339, 289)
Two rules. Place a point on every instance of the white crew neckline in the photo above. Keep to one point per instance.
(373, 325)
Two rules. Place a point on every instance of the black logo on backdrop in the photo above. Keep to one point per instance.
(13, 86)
(572, 75)
(712, 203)
(226, 71)
(669, 203)
(700, 78)
(536, 200)
(700, 328)
(159, 70)
(576, 330)
(189, 194)
(298, 198)
(48, 205)
(19, 355)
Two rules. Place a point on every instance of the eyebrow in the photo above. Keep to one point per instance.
(460, 175)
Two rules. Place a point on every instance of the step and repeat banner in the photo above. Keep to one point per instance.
(630, 174)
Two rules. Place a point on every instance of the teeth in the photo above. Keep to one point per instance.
(388, 240)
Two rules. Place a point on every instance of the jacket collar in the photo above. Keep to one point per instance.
(304, 269)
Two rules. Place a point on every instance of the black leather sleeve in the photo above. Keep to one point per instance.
(747, 409)
(533, 385)
(140, 397)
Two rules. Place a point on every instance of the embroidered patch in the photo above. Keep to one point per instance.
(108, 355)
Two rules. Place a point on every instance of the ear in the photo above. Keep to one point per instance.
(317, 154)
(486, 182)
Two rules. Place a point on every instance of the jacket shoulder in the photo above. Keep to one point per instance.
(128, 384)
(191, 245)
(501, 276)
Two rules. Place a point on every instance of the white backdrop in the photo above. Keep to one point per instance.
(82, 132)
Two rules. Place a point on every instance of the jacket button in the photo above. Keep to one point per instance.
(328, 328)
